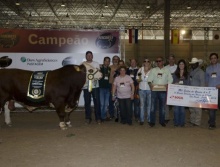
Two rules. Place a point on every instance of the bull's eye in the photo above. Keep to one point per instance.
(91, 71)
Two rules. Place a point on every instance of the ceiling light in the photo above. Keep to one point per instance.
(188, 7)
(17, 3)
(148, 5)
(183, 32)
(62, 4)
(106, 4)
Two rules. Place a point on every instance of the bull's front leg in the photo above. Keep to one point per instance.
(61, 114)
(7, 114)
(68, 112)
(67, 119)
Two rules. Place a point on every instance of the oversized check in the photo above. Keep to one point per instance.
(192, 96)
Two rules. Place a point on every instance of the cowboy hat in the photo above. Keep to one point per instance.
(195, 60)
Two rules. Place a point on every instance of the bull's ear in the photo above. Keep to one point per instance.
(77, 68)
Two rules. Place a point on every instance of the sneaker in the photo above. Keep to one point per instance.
(166, 121)
(137, 120)
(163, 124)
(211, 127)
(88, 121)
(98, 122)
(122, 122)
(151, 124)
(108, 119)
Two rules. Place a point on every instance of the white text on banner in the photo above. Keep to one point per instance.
(192, 96)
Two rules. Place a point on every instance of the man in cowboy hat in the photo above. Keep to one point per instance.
(212, 77)
(197, 78)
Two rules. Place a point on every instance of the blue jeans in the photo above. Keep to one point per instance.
(136, 108)
(145, 104)
(96, 101)
(104, 100)
(125, 110)
(158, 96)
(111, 104)
(212, 116)
(212, 112)
(179, 116)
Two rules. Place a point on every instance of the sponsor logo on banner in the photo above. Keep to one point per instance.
(36, 62)
(54, 41)
(8, 39)
(105, 41)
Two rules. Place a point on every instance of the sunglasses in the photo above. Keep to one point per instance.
(146, 61)
(158, 61)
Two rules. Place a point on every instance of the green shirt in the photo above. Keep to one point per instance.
(159, 76)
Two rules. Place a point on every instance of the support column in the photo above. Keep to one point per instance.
(206, 39)
(166, 29)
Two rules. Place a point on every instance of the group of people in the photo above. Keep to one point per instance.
(140, 91)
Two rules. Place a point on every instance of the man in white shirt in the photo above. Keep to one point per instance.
(158, 79)
(94, 93)
(172, 67)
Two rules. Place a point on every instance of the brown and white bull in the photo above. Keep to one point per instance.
(62, 89)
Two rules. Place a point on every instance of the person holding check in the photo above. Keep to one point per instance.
(158, 79)
(212, 78)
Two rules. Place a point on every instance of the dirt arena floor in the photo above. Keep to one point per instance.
(35, 140)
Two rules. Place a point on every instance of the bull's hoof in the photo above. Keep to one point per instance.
(68, 124)
(8, 124)
(62, 126)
